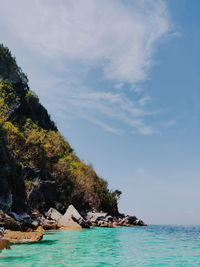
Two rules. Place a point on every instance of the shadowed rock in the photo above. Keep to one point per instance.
(94, 217)
(8, 222)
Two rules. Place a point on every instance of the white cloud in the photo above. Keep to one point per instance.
(119, 86)
(119, 35)
(111, 111)
(147, 130)
(168, 123)
(135, 88)
(75, 37)
(144, 100)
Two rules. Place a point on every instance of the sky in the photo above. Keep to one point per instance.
(121, 80)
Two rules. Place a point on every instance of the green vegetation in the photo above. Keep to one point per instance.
(32, 140)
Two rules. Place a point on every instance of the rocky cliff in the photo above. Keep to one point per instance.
(38, 168)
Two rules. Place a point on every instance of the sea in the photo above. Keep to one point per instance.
(154, 245)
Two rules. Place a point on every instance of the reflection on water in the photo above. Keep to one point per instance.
(4, 258)
(145, 246)
(42, 242)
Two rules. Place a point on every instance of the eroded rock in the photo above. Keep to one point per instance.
(94, 217)
(22, 237)
(20, 217)
(40, 229)
(53, 214)
(72, 218)
(8, 222)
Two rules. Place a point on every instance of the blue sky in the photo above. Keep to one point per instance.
(121, 80)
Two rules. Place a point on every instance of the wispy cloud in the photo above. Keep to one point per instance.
(144, 100)
(120, 35)
(115, 38)
(169, 123)
(113, 112)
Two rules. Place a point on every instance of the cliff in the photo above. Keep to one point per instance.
(38, 168)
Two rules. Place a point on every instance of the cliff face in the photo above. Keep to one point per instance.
(38, 168)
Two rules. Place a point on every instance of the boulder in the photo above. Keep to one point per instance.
(72, 218)
(35, 223)
(123, 221)
(130, 221)
(49, 225)
(40, 229)
(71, 226)
(20, 217)
(105, 224)
(8, 222)
(94, 217)
(53, 214)
(22, 237)
(4, 243)
(25, 221)
(140, 223)
(109, 219)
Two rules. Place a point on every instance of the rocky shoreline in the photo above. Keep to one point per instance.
(39, 170)
(25, 228)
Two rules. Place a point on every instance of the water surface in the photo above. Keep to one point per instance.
(125, 246)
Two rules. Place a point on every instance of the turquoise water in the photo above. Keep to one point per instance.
(126, 246)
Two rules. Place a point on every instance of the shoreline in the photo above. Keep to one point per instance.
(24, 228)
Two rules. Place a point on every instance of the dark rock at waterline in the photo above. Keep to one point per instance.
(127, 220)
(8, 222)
(72, 219)
(140, 223)
(102, 219)
(94, 217)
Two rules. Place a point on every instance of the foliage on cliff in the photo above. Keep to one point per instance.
(43, 169)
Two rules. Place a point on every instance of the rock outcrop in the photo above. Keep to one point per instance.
(102, 219)
(94, 217)
(4, 243)
(53, 214)
(22, 237)
(72, 218)
(8, 222)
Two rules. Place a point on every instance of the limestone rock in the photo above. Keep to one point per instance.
(4, 243)
(35, 223)
(75, 226)
(40, 229)
(72, 218)
(22, 237)
(105, 224)
(130, 221)
(140, 223)
(53, 214)
(49, 225)
(94, 217)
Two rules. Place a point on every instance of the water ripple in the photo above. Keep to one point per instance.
(126, 247)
